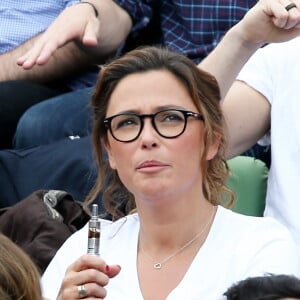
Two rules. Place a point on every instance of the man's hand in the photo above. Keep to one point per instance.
(270, 22)
(267, 22)
(77, 22)
(98, 36)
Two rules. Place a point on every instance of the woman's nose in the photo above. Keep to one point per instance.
(149, 135)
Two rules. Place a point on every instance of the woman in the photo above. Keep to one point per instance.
(19, 277)
(159, 119)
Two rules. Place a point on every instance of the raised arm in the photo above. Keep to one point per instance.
(268, 21)
(248, 117)
(98, 36)
(247, 112)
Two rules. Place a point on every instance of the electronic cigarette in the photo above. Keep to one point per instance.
(94, 232)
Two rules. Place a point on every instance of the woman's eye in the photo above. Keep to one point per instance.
(126, 122)
(171, 117)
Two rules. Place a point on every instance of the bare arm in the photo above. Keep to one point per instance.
(66, 61)
(268, 21)
(246, 111)
(247, 115)
(97, 36)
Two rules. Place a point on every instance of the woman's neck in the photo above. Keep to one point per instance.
(165, 232)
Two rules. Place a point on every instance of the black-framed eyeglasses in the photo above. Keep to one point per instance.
(168, 123)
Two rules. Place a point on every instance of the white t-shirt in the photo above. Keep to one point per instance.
(237, 247)
(274, 71)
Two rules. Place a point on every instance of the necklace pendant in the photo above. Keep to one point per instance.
(157, 266)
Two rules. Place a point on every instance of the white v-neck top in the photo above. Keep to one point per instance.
(237, 247)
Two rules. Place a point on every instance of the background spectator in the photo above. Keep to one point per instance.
(19, 277)
(21, 24)
(270, 287)
(185, 27)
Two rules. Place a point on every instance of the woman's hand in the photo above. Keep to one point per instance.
(89, 274)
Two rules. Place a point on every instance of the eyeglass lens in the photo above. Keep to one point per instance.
(168, 123)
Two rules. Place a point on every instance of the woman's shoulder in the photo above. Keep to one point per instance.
(237, 222)
(262, 240)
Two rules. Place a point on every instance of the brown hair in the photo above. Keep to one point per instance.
(203, 89)
(19, 277)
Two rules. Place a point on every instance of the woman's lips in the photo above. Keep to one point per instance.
(151, 164)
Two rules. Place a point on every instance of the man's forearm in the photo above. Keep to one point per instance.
(115, 27)
(98, 34)
(65, 61)
(227, 59)
(267, 22)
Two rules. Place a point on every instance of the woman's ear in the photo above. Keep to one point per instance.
(111, 158)
(214, 147)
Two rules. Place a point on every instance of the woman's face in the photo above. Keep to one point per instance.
(152, 167)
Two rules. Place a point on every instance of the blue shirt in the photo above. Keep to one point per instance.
(190, 27)
(20, 20)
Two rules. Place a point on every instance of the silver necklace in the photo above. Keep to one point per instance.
(159, 265)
